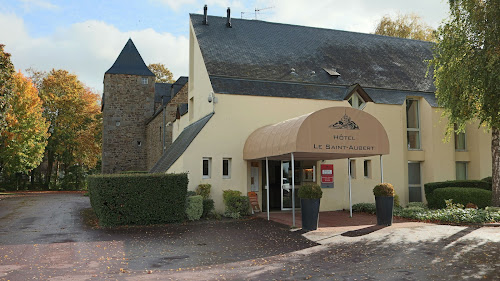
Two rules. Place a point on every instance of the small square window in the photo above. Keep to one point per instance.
(226, 168)
(352, 165)
(207, 163)
(367, 168)
(144, 80)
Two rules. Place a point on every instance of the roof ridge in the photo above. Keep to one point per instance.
(313, 27)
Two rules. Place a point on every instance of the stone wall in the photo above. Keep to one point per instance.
(154, 129)
(128, 104)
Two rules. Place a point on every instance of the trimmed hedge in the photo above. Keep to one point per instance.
(194, 207)
(121, 199)
(237, 206)
(208, 207)
(431, 186)
(461, 195)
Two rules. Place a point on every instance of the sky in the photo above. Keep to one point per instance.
(86, 37)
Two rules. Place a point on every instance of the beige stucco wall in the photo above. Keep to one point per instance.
(237, 116)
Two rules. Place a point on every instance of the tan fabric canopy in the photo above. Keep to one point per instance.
(330, 133)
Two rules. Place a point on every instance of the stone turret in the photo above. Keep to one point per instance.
(128, 101)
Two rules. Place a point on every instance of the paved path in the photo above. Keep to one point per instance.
(42, 237)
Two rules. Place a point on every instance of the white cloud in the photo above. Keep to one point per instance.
(176, 4)
(352, 15)
(89, 48)
(38, 4)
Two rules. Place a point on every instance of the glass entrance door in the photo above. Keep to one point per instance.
(286, 185)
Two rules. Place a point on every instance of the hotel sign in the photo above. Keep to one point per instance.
(327, 175)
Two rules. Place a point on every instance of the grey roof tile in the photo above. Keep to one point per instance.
(237, 86)
(162, 90)
(262, 50)
(130, 62)
(179, 146)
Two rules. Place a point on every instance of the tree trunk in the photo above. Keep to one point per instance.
(495, 173)
(48, 173)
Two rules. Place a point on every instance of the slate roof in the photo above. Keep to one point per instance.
(182, 108)
(261, 50)
(238, 86)
(162, 90)
(130, 62)
(180, 145)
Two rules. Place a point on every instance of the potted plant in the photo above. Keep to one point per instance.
(384, 203)
(310, 195)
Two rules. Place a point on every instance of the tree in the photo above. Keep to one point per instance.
(467, 71)
(6, 76)
(25, 137)
(76, 122)
(405, 26)
(163, 75)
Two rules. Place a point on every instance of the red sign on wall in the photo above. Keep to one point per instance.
(326, 173)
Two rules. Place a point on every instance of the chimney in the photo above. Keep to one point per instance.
(205, 17)
(228, 23)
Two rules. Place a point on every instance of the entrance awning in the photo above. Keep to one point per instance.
(330, 133)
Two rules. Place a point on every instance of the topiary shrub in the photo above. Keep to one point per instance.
(364, 207)
(237, 206)
(397, 204)
(431, 186)
(194, 207)
(141, 199)
(204, 190)
(383, 189)
(310, 191)
(480, 197)
(208, 207)
(226, 194)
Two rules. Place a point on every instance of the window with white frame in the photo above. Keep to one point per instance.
(413, 124)
(226, 168)
(356, 101)
(460, 140)
(207, 167)
(352, 167)
(144, 80)
(461, 168)
(367, 168)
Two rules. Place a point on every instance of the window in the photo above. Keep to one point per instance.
(413, 124)
(356, 101)
(460, 140)
(352, 166)
(207, 163)
(191, 108)
(367, 168)
(414, 182)
(144, 81)
(226, 168)
(461, 170)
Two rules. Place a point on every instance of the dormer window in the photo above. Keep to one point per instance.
(356, 101)
(144, 81)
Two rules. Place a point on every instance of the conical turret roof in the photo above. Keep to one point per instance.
(130, 62)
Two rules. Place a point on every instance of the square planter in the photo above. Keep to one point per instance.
(310, 213)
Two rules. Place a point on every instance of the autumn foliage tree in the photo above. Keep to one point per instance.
(75, 122)
(163, 75)
(405, 26)
(25, 136)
